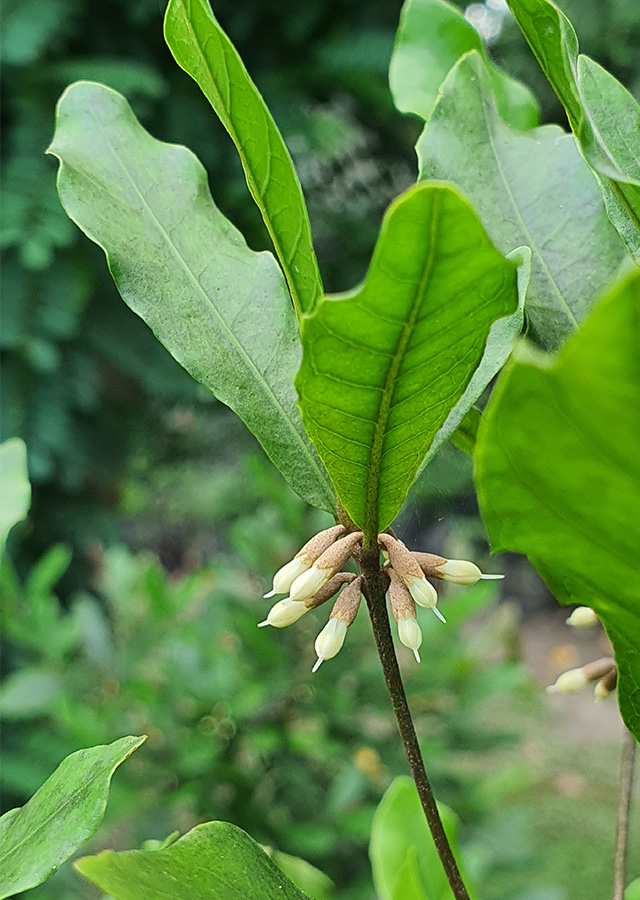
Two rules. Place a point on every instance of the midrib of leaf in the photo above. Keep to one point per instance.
(71, 799)
(256, 192)
(232, 338)
(516, 209)
(372, 496)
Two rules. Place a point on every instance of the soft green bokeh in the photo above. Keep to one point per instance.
(15, 489)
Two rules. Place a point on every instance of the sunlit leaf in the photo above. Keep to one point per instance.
(205, 52)
(385, 364)
(15, 488)
(602, 113)
(221, 310)
(214, 861)
(404, 859)
(558, 473)
(36, 839)
(558, 214)
(431, 38)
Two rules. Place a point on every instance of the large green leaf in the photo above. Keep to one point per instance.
(205, 52)
(222, 310)
(384, 364)
(558, 473)
(431, 37)
(15, 489)
(602, 113)
(404, 859)
(36, 839)
(558, 213)
(214, 861)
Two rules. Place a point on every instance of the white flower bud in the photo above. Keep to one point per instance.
(601, 692)
(410, 634)
(284, 577)
(423, 593)
(582, 617)
(284, 612)
(329, 641)
(310, 581)
(461, 571)
(572, 680)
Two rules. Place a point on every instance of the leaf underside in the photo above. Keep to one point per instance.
(220, 309)
(558, 474)
(384, 364)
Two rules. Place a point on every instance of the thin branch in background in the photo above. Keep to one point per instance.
(380, 621)
(627, 763)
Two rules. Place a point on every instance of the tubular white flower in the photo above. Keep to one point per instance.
(284, 612)
(572, 680)
(306, 584)
(423, 593)
(329, 641)
(461, 571)
(582, 617)
(284, 577)
(410, 634)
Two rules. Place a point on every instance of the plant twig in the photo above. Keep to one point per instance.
(380, 621)
(627, 762)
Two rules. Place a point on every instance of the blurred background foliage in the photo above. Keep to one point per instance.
(156, 521)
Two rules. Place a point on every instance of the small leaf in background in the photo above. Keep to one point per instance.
(214, 861)
(559, 214)
(404, 859)
(15, 489)
(36, 839)
(220, 309)
(558, 473)
(602, 113)
(205, 52)
(305, 876)
(384, 364)
(431, 38)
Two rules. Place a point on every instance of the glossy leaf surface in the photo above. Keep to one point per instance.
(602, 113)
(221, 310)
(36, 839)
(558, 473)
(214, 861)
(204, 51)
(431, 37)
(558, 214)
(384, 365)
(404, 858)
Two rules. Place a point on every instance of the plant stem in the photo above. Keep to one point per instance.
(624, 808)
(370, 566)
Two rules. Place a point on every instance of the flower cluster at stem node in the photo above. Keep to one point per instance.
(315, 575)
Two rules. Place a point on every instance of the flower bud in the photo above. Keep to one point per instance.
(458, 571)
(304, 558)
(410, 634)
(326, 565)
(331, 638)
(582, 617)
(329, 589)
(572, 680)
(607, 684)
(406, 566)
(284, 612)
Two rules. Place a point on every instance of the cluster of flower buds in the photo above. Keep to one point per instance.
(603, 672)
(314, 576)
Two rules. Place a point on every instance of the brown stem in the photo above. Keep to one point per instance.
(624, 808)
(380, 622)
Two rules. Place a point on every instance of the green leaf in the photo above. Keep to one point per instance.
(15, 488)
(500, 341)
(602, 113)
(558, 213)
(384, 364)
(214, 861)
(431, 37)
(305, 876)
(36, 839)
(219, 308)
(404, 859)
(205, 52)
(558, 473)
(633, 890)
